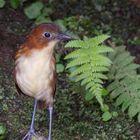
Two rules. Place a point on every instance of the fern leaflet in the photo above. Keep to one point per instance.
(90, 64)
(124, 81)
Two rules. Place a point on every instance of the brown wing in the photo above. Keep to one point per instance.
(16, 85)
(53, 81)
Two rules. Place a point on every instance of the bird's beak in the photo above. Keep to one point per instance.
(63, 37)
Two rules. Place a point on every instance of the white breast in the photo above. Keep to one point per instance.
(35, 72)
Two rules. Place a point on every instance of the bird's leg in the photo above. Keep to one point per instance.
(50, 124)
(31, 130)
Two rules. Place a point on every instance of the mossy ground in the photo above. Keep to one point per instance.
(73, 118)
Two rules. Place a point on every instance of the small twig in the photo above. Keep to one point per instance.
(112, 44)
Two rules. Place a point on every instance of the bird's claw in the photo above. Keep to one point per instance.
(29, 135)
(49, 138)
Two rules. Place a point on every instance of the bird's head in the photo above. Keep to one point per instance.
(45, 34)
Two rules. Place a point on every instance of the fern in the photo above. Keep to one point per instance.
(124, 81)
(90, 63)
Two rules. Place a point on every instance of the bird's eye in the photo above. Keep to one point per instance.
(46, 34)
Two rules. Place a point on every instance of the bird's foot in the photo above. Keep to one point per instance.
(49, 138)
(29, 134)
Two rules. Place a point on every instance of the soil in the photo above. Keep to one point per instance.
(12, 33)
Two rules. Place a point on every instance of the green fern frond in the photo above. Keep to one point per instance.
(87, 42)
(124, 81)
(82, 69)
(78, 61)
(75, 44)
(102, 49)
(97, 40)
(75, 54)
(91, 63)
(87, 80)
(89, 51)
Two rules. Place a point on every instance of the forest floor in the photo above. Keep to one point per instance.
(73, 118)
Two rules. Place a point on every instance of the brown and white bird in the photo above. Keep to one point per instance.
(35, 68)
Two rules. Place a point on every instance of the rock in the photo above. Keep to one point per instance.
(38, 137)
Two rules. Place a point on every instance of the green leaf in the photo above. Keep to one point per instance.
(114, 114)
(76, 44)
(14, 3)
(47, 11)
(57, 56)
(99, 97)
(3, 131)
(2, 3)
(98, 39)
(126, 104)
(89, 96)
(75, 54)
(105, 108)
(138, 117)
(105, 92)
(41, 19)
(34, 10)
(133, 110)
(59, 68)
(61, 24)
(106, 116)
(137, 41)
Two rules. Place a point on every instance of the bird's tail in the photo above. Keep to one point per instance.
(42, 105)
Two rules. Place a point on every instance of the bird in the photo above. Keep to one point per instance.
(35, 71)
